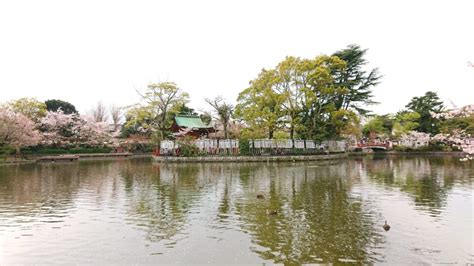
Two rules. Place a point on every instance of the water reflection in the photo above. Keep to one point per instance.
(149, 212)
(427, 180)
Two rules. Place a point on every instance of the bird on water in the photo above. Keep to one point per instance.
(272, 212)
(386, 227)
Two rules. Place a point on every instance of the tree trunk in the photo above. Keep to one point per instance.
(270, 133)
(225, 131)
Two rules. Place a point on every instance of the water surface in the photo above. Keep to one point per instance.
(136, 211)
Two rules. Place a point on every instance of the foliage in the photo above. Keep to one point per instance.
(310, 98)
(427, 105)
(466, 124)
(281, 135)
(459, 119)
(78, 150)
(380, 125)
(187, 147)
(206, 118)
(138, 120)
(55, 105)
(432, 147)
(182, 109)
(17, 130)
(244, 146)
(354, 78)
(260, 106)
(159, 99)
(223, 112)
(30, 107)
(405, 121)
(253, 133)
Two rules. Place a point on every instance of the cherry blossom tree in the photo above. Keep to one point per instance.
(17, 130)
(66, 130)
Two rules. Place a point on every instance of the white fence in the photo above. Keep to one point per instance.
(256, 146)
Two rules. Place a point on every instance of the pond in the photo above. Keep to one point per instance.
(136, 211)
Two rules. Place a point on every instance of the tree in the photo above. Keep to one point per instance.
(298, 96)
(405, 122)
(260, 106)
(99, 112)
(378, 125)
(69, 130)
(30, 107)
(353, 77)
(17, 130)
(425, 106)
(54, 105)
(182, 109)
(139, 120)
(206, 118)
(116, 115)
(223, 112)
(320, 96)
(160, 98)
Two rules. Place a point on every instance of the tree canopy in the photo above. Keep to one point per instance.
(355, 79)
(426, 106)
(160, 99)
(309, 98)
(29, 107)
(66, 107)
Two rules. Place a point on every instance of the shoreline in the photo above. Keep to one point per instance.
(403, 153)
(281, 158)
(81, 157)
(276, 158)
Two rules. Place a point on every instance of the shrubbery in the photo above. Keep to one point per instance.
(244, 146)
(432, 147)
(76, 150)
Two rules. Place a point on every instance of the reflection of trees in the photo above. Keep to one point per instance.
(318, 219)
(47, 192)
(427, 180)
(160, 196)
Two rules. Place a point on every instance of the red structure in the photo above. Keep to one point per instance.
(374, 145)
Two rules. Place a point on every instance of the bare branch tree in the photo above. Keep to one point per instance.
(222, 110)
(116, 115)
(99, 112)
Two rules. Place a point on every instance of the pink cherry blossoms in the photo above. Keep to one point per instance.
(17, 130)
(66, 130)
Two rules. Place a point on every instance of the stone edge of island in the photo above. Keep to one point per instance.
(283, 158)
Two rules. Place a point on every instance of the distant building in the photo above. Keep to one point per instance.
(190, 125)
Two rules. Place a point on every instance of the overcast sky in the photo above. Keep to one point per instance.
(85, 51)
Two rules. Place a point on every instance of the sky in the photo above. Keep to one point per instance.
(89, 51)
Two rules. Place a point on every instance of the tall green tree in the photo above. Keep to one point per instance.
(320, 95)
(356, 79)
(425, 106)
(66, 107)
(260, 106)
